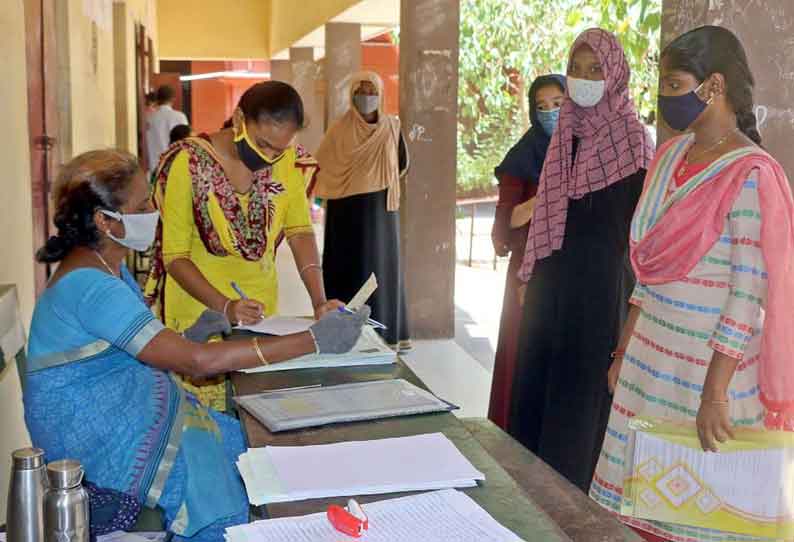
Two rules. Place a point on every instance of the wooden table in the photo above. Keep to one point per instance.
(581, 518)
(506, 494)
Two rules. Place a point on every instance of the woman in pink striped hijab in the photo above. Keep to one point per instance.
(575, 265)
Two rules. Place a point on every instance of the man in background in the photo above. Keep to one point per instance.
(150, 100)
(160, 124)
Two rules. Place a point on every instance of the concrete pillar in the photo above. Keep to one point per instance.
(305, 72)
(281, 70)
(428, 110)
(342, 59)
(765, 31)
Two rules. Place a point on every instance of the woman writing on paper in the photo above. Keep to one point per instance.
(226, 200)
(98, 385)
(576, 261)
(518, 176)
(362, 159)
(712, 245)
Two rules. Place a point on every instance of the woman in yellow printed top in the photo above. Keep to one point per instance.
(226, 201)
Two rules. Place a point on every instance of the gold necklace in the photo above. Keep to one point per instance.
(689, 159)
(101, 259)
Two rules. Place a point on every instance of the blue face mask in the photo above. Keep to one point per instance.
(548, 120)
(679, 112)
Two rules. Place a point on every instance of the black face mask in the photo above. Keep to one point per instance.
(250, 155)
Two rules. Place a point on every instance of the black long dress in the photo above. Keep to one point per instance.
(574, 309)
(361, 238)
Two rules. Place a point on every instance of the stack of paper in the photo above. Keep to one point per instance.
(284, 410)
(440, 516)
(279, 325)
(370, 350)
(371, 467)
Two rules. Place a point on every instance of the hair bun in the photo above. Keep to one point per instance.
(54, 250)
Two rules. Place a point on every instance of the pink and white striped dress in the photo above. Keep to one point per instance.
(717, 306)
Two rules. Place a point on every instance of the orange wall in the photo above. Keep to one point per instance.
(384, 59)
(213, 100)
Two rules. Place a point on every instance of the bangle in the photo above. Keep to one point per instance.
(259, 354)
(714, 401)
(226, 306)
(307, 267)
(617, 354)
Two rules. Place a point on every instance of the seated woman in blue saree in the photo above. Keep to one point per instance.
(98, 383)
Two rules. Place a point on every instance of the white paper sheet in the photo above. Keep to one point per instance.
(369, 350)
(440, 516)
(364, 293)
(279, 325)
(371, 467)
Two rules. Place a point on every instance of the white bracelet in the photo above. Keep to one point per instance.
(307, 267)
(226, 306)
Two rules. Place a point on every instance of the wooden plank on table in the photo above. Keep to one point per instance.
(500, 495)
(582, 519)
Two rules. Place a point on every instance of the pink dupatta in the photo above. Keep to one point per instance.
(669, 237)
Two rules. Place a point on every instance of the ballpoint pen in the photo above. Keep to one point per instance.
(239, 291)
(370, 321)
(243, 296)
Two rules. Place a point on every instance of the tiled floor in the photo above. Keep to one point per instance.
(456, 370)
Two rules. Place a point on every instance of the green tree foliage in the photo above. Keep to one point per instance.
(505, 44)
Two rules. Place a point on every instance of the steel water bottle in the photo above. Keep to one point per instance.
(26, 493)
(66, 504)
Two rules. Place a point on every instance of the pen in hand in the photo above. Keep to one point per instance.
(370, 321)
(249, 305)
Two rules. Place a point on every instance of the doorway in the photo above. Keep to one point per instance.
(40, 48)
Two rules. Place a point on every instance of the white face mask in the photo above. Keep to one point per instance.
(366, 104)
(139, 229)
(585, 93)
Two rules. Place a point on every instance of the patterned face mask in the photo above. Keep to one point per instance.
(585, 93)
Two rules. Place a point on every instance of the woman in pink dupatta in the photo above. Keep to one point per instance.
(709, 337)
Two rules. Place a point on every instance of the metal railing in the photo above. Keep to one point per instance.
(473, 204)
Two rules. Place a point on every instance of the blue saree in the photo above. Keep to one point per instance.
(131, 425)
